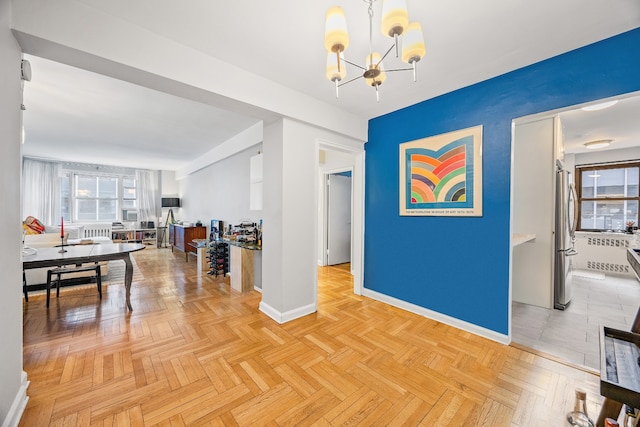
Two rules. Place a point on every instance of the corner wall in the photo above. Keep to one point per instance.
(458, 268)
(13, 391)
(219, 191)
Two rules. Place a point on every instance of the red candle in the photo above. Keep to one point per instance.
(62, 227)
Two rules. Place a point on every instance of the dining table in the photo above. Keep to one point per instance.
(79, 254)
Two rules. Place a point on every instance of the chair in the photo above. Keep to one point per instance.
(66, 270)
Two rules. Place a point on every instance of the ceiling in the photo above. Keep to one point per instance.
(76, 115)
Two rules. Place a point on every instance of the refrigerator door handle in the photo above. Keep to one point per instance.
(574, 224)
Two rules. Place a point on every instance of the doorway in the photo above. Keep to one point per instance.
(599, 297)
(338, 216)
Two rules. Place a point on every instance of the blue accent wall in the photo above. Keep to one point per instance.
(460, 266)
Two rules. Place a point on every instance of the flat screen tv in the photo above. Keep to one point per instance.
(170, 202)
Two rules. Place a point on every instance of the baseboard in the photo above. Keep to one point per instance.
(442, 318)
(19, 403)
(287, 316)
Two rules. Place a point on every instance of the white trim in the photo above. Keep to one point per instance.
(288, 315)
(19, 403)
(442, 318)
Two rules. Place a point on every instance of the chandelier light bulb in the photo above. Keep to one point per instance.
(395, 17)
(335, 72)
(336, 37)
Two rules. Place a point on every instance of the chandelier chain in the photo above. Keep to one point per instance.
(370, 31)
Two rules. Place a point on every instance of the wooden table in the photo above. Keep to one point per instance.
(79, 254)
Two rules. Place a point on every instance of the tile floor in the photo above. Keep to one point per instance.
(573, 334)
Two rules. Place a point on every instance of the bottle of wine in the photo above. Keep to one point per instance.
(579, 417)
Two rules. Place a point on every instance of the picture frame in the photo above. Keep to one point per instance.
(442, 175)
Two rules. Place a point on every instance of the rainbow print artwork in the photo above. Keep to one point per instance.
(441, 175)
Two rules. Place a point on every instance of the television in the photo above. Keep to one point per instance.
(170, 202)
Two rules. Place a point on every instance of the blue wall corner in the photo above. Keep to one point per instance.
(460, 266)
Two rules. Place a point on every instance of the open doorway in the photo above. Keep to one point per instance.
(604, 292)
(345, 164)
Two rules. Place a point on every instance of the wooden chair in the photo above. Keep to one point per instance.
(72, 269)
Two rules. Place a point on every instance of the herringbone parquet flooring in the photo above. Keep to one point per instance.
(194, 353)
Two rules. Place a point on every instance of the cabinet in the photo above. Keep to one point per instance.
(180, 237)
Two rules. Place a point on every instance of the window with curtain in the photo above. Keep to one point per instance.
(608, 196)
(77, 193)
(41, 190)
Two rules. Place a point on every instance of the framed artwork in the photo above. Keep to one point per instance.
(442, 175)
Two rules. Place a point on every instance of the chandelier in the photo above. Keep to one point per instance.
(395, 23)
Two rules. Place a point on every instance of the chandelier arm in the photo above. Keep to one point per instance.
(399, 69)
(349, 81)
(385, 55)
(354, 64)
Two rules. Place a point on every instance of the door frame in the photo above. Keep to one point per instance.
(357, 204)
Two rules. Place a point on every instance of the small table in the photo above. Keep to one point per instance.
(201, 255)
(52, 257)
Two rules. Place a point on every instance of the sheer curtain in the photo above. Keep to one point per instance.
(147, 187)
(41, 190)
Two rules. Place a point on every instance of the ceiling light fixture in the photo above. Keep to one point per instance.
(594, 145)
(600, 106)
(395, 23)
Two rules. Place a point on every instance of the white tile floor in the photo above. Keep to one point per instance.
(573, 334)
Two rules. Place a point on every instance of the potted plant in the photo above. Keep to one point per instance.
(630, 225)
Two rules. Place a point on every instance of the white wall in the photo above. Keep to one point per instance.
(289, 282)
(219, 191)
(13, 389)
(533, 207)
(606, 156)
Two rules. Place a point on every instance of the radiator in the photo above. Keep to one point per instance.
(604, 252)
(97, 230)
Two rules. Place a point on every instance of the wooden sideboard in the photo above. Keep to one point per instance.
(180, 237)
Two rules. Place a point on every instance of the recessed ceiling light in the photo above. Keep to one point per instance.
(594, 145)
(601, 106)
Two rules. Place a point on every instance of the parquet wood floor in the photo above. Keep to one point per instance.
(195, 353)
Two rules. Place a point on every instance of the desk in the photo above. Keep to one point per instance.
(51, 257)
(180, 236)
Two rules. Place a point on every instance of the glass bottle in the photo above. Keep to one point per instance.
(578, 417)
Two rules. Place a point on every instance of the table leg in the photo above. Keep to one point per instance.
(128, 277)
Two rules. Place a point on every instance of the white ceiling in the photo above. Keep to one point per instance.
(81, 116)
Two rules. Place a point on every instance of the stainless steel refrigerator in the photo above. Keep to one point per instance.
(565, 227)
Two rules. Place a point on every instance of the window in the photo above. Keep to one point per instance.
(608, 196)
(96, 198)
(88, 197)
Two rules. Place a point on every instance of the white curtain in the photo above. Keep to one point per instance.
(147, 187)
(41, 190)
